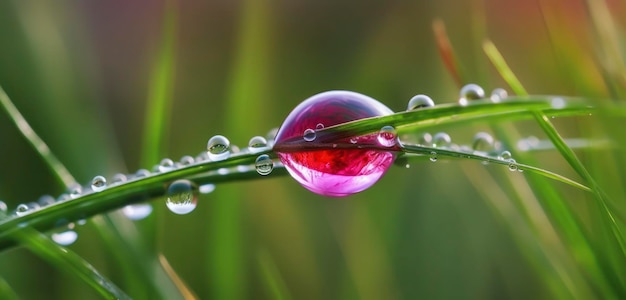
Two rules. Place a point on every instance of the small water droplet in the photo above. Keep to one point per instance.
(206, 188)
(482, 142)
(63, 197)
(309, 135)
(142, 173)
(557, 103)
(257, 144)
(387, 136)
(498, 95)
(441, 139)
(3, 206)
(505, 155)
(81, 222)
(319, 126)
(223, 171)
(22, 209)
(65, 238)
(202, 156)
(98, 183)
(166, 165)
(218, 148)
(420, 101)
(243, 168)
(137, 211)
(45, 200)
(264, 165)
(354, 140)
(118, 178)
(433, 156)
(512, 165)
(76, 191)
(425, 139)
(186, 160)
(181, 197)
(470, 92)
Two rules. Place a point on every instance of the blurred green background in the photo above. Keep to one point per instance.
(86, 75)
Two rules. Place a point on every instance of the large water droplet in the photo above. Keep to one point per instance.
(181, 197)
(470, 92)
(257, 144)
(420, 101)
(137, 211)
(332, 171)
(218, 148)
(166, 165)
(441, 139)
(309, 135)
(98, 183)
(264, 164)
(482, 142)
(387, 136)
(65, 238)
(206, 188)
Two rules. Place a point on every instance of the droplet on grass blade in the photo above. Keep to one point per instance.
(470, 92)
(64, 238)
(264, 165)
(218, 148)
(181, 197)
(420, 101)
(166, 165)
(98, 183)
(137, 211)
(319, 164)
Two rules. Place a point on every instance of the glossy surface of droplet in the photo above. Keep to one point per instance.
(137, 211)
(76, 191)
(482, 142)
(218, 148)
(98, 183)
(142, 173)
(433, 156)
(186, 160)
(206, 188)
(65, 238)
(441, 139)
(512, 165)
(45, 200)
(309, 135)
(257, 144)
(22, 209)
(387, 136)
(118, 178)
(166, 165)
(420, 101)
(264, 165)
(323, 169)
(498, 95)
(181, 197)
(505, 155)
(470, 92)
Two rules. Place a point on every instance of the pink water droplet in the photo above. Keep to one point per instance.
(334, 170)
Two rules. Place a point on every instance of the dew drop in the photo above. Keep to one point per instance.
(512, 165)
(218, 148)
(76, 191)
(186, 160)
(206, 188)
(433, 156)
(498, 94)
(63, 197)
(319, 126)
(425, 139)
(142, 173)
(557, 103)
(309, 135)
(3, 206)
(65, 238)
(257, 144)
(420, 101)
(98, 183)
(166, 165)
(264, 165)
(22, 209)
(505, 155)
(441, 139)
(387, 136)
(223, 171)
(118, 178)
(337, 171)
(482, 142)
(470, 92)
(137, 212)
(45, 200)
(181, 197)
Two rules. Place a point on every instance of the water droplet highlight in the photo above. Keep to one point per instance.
(45, 200)
(420, 101)
(137, 212)
(309, 135)
(498, 94)
(433, 156)
(98, 183)
(166, 165)
(264, 165)
(22, 209)
(512, 165)
(441, 140)
(257, 144)
(505, 155)
(337, 171)
(65, 238)
(387, 136)
(181, 197)
(76, 191)
(118, 178)
(470, 92)
(3, 207)
(142, 173)
(483, 142)
(218, 148)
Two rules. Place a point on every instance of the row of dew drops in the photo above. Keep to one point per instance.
(181, 195)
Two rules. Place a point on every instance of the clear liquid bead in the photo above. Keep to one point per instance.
(181, 197)
(137, 212)
(264, 165)
(206, 188)
(166, 165)
(498, 94)
(64, 238)
(76, 191)
(441, 139)
(482, 142)
(420, 101)
(387, 136)
(309, 135)
(218, 148)
(470, 92)
(186, 160)
(98, 183)
(257, 144)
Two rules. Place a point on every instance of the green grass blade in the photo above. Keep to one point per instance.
(503, 68)
(6, 292)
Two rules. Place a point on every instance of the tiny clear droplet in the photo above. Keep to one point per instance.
(3, 206)
(309, 135)
(118, 178)
(181, 197)
(420, 101)
(166, 165)
(142, 173)
(387, 136)
(319, 126)
(218, 148)
(264, 164)
(257, 144)
(22, 209)
(76, 191)
(186, 160)
(498, 95)
(65, 238)
(470, 92)
(45, 200)
(433, 156)
(98, 183)
(505, 155)
(512, 165)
